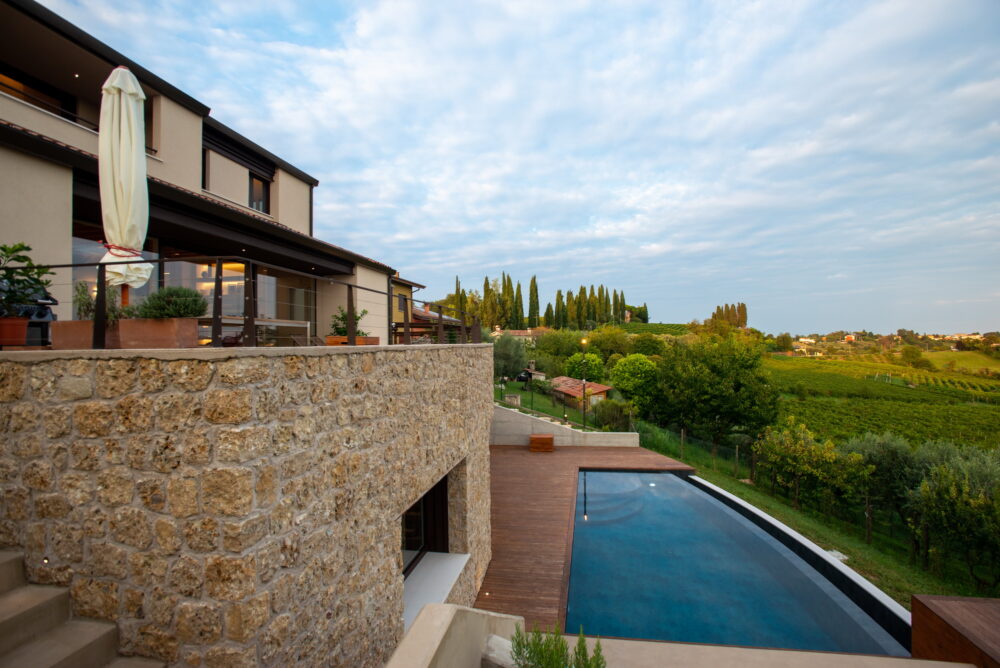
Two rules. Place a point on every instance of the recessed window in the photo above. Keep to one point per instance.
(425, 526)
(259, 194)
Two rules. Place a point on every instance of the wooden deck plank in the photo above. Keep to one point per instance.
(534, 497)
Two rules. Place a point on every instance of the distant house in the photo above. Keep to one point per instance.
(805, 340)
(571, 390)
(528, 335)
(849, 338)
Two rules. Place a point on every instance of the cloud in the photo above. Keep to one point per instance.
(689, 153)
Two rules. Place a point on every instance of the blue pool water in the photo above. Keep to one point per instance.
(657, 558)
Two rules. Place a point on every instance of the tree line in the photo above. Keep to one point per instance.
(501, 304)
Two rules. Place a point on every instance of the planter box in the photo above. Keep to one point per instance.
(79, 335)
(137, 333)
(13, 331)
(360, 340)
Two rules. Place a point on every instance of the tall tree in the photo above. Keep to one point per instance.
(533, 303)
(742, 311)
(559, 312)
(517, 319)
(592, 305)
(581, 308)
(572, 321)
(549, 318)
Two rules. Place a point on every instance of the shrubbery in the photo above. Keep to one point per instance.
(173, 302)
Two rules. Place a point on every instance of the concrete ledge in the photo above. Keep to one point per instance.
(430, 582)
(450, 636)
(893, 617)
(512, 427)
(217, 353)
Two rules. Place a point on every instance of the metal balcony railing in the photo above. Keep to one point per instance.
(438, 324)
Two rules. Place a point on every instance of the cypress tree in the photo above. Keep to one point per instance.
(518, 318)
(581, 308)
(558, 313)
(592, 305)
(533, 303)
(742, 309)
(549, 315)
(571, 316)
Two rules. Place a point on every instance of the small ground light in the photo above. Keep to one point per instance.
(652, 484)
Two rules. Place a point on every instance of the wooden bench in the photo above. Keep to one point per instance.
(541, 443)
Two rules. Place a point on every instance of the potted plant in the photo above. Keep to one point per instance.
(167, 318)
(20, 288)
(338, 330)
(78, 334)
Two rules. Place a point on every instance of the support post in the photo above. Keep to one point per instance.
(406, 321)
(440, 325)
(352, 326)
(217, 307)
(249, 306)
(101, 308)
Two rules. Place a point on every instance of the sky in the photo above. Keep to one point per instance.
(834, 165)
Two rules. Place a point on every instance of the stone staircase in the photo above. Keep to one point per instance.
(36, 628)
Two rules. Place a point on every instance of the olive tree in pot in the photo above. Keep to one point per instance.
(78, 334)
(338, 330)
(167, 318)
(20, 288)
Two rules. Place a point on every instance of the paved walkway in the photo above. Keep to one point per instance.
(534, 497)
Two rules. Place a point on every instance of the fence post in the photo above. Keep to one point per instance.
(477, 331)
(683, 434)
(217, 307)
(101, 308)
(352, 326)
(440, 325)
(406, 321)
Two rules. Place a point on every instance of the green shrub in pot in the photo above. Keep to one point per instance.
(173, 302)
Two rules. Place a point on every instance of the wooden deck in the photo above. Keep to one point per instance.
(534, 499)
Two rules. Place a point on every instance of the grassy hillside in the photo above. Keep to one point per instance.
(969, 359)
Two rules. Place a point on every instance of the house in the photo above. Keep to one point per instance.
(213, 192)
(849, 338)
(571, 390)
(218, 506)
(402, 296)
(529, 335)
(803, 339)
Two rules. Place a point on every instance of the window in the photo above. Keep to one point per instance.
(425, 526)
(204, 171)
(259, 194)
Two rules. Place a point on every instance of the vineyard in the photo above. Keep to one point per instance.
(839, 419)
(838, 399)
(654, 328)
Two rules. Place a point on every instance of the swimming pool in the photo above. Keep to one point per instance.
(657, 558)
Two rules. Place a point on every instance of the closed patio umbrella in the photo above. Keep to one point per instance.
(122, 169)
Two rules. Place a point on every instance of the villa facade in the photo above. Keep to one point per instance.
(212, 191)
(268, 506)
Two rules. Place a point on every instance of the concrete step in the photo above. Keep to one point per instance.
(28, 612)
(79, 643)
(11, 570)
(135, 662)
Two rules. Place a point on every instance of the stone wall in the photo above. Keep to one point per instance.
(235, 507)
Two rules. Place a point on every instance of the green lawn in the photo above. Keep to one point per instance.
(963, 359)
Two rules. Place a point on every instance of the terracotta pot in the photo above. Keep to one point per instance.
(333, 340)
(79, 335)
(158, 333)
(13, 331)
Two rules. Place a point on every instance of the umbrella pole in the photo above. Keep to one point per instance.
(124, 295)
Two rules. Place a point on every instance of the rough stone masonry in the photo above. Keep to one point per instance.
(241, 507)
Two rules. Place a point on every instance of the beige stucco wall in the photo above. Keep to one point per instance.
(50, 125)
(228, 179)
(177, 139)
(330, 296)
(241, 506)
(290, 201)
(36, 207)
